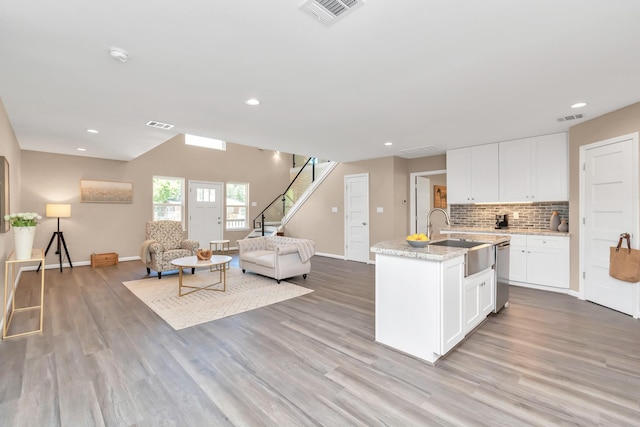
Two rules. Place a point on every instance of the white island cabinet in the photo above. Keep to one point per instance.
(421, 308)
(419, 305)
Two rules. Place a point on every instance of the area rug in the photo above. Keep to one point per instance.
(244, 292)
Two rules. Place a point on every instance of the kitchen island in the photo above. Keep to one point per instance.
(424, 303)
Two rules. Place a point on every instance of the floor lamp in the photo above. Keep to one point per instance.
(57, 210)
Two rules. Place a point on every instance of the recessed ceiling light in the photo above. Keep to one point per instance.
(82, 149)
(92, 131)
(388, 143)
(579, 105)
(119, 54)
(252, 102)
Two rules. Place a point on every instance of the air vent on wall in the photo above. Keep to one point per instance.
(159, 125)
(573, 117)
(330, 11)
(413, 153)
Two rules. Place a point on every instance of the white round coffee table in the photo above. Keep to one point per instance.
(218, 261)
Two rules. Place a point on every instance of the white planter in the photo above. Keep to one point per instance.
(23, 238)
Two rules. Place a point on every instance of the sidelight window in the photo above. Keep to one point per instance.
(168, 198)
(237, 204)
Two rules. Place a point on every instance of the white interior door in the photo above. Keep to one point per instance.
(206, 200)
(423, 203)
(434, 177)
(610, 200)
(357, 217)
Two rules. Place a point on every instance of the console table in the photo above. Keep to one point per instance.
(11, 268)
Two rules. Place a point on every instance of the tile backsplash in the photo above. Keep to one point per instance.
(531, 215)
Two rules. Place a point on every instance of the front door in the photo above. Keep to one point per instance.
(357, 217)
(610, 194)
(206, 201)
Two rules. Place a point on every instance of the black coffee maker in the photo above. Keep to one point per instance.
(501, 221)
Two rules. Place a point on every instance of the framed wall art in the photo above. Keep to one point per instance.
(440, 196)
(105, 192)
(4, 193)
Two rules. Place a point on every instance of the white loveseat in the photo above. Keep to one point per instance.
(278, 257)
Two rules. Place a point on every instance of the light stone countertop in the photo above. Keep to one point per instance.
(400, 247)
(536, 231)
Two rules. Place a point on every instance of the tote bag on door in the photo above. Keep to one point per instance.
(624, 264)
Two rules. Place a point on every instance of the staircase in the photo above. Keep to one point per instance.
(304, 182)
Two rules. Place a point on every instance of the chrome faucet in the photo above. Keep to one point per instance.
(430, 226)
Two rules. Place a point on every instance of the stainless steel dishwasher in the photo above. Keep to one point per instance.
(502, 276)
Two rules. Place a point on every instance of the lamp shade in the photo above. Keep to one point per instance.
(58, 210)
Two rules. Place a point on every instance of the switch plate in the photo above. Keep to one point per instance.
(334, 209)
(379, 210)
(254, 203)
(516, 215)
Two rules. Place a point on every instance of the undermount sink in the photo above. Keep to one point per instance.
(456, 243)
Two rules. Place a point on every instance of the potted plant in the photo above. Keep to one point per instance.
(24, 232)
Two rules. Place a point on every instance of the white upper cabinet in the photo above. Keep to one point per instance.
(534, 169)
(472, 174)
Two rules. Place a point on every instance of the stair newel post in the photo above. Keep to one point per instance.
(262, 224)
(284, 204)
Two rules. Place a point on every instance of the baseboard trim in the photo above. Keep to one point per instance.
(566, 291)
(326, 255)
(342, 257)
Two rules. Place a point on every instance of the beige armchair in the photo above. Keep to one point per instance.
(165, 242)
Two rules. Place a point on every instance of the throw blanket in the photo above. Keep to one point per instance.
(305, 249)
(145, 255)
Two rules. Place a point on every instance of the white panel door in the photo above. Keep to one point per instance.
(610, 208)
(423, 203)
(357, 217)
(206, 200)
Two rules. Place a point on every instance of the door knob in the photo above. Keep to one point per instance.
(364, 223)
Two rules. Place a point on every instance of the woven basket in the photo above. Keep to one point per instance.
(203, 254)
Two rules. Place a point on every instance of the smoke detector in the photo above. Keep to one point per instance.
(119, 54)
(329, 12)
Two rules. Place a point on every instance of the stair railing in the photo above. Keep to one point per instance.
(283, 197)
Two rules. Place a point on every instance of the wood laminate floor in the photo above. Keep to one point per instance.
(104, 358)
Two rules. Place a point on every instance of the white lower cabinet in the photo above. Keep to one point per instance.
(425, 308)
(518, 258)
(478, 298)
(539, 260)
(452, 315)
(419, 304)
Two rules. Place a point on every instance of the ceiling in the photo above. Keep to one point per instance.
(420, 73)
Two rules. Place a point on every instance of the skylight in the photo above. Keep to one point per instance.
(200, 141)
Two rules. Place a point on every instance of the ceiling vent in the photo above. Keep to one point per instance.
(330, 11)
(159, 125)
(567, 118)
(414, 153)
